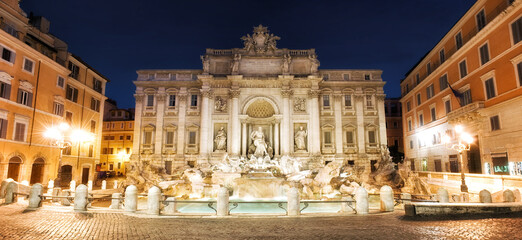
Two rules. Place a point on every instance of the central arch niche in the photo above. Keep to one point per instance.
(260, 108)
(260, 111)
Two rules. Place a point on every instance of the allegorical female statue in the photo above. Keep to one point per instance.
(300, 139)
(258, 137)
(221, 139)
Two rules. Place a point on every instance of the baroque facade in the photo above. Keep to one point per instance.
(472, 78)
(259, 101)
(117, 137)
(43, 85)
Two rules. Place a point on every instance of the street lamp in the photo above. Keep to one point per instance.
(464, 141)
(63, 137)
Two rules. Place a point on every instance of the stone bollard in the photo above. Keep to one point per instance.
(65, 200)
(50, 186)
(10, 192)
(131, 199)
(222, 202)
(485, 196)
(35, 196)
(72, 186)
(115, 184)
(116, 201)
(387, 201)
(25, 183)
(508, 196)
(293, 205)
(406, 198)
(104, 185)
(89, 185)
(56, 192)
(3, 188)
(442, 195)
(153, 201)
(80, 198)
(347, 206)
(170, 207)
(361, 201)
(516, 192)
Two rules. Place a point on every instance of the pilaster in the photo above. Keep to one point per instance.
(359, 112)
(338, 124)
(315, 131)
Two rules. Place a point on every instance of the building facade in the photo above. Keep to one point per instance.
(393, 112)
(117, 137)
(42, 85)
(242, 95)
(471, 78)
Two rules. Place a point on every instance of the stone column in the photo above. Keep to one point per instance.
(382, 118)
(137, 124)
(285, 131)
(338, 124)
(182, 103)
(204, 140)
(160, 111)
(236, 133)
(243, 138)
(276, 138)
(359, 112)
(315, 130)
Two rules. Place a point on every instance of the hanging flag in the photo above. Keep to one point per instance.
(456, 93)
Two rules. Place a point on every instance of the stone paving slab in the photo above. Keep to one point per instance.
(62, 223)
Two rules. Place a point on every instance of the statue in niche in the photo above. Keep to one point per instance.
(258, 138)
(206, 63)
(220, 104)
(221, 139)
(314, 63)
(235, 63)
(300, 138)
(299, 105)
(286, 63)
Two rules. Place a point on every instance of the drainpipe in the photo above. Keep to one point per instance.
(35, 100)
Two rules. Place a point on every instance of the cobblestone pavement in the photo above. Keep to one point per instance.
(63, 223)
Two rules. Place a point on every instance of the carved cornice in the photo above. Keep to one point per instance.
(234, 93)
(287, 93)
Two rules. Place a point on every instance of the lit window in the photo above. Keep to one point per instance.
(28, 65)
(58, 109)
(25, 97)
(19, 134)
(60, 82)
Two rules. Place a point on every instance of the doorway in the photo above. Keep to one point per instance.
(474, 163)
(66, 175)
(37, 171)
(85, 175)
(14, 168)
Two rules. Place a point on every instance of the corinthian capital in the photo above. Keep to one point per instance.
(380, 97)
(287, 93)
(206, 93)
(234, 93)
(182, 97)
(160, 96)
(314, 93)
(139, 97)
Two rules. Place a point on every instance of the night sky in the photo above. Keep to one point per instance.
(118, 37)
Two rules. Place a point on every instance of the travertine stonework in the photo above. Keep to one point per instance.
(183, 116)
